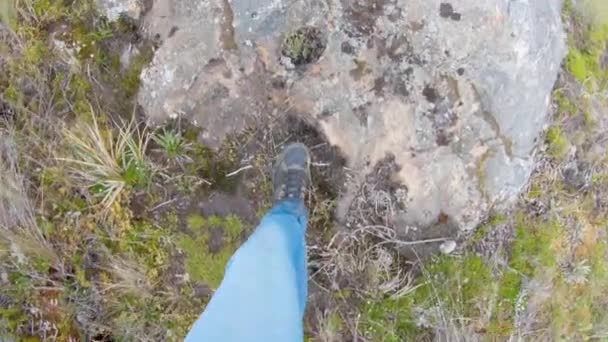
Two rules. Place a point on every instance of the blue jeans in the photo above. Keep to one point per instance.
(262, 297)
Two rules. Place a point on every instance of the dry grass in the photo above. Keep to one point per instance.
(367, 252)
(108, 164)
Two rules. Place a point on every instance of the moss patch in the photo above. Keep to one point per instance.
(131, 77)
(450, 287)
(584, 59)
(203, 264)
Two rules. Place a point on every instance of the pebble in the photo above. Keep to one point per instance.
(447, 247)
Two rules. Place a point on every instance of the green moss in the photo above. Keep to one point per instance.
(13, 318)
(170, 220)
(196, 222)
(497, 219)
(13, 95)
(461, 281)
(459, 286)
(579, 65)
(335, 323)
(599, 265)
(584, 61)
(388, 319)
(557, 142)
(131, 79)
(532, 249)
(480, 233)
(147, 243)
(509, 288)
(480, 171)
(213, 166)
(202, 264)
(49, 10)
(35, 52)
(535, 191)
(233, 227)
(494, 220)
(564, 104)
(466, 287)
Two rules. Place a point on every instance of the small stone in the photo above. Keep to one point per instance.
(447, 247)
(113, 9)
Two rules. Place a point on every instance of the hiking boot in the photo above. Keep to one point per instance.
(291, 174)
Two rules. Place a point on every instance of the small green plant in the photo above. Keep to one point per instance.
(296, 47)
(304, 45)
(173, 145)
(107, 165)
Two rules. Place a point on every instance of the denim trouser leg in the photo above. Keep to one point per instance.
(263, 294)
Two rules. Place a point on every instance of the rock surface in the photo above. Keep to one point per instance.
(113, 9)
(456, 93)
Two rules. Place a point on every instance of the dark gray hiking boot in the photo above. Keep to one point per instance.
(291, 174)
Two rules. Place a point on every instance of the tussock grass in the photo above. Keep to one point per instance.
(109, 164)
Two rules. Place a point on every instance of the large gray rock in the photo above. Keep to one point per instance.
(457, 92)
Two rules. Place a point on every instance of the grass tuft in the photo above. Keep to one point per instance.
(106, 164)
(173, 145)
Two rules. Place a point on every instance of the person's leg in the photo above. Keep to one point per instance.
(263, 294)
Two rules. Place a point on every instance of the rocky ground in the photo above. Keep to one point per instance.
(460, 168)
